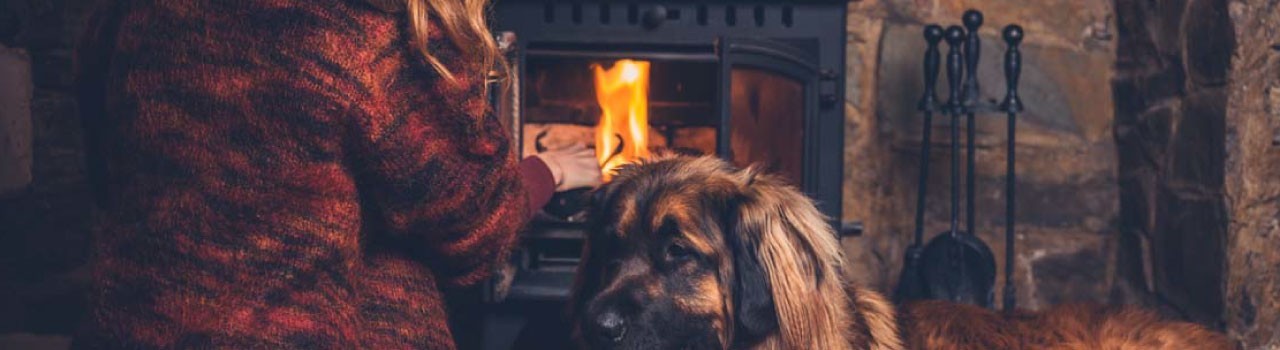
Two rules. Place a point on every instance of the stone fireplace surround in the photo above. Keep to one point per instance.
(1147, 159)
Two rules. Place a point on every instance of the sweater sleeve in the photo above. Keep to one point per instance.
(538, 183)
(439, 169)
(459, 206)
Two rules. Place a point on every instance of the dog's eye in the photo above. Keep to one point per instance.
(675, 251)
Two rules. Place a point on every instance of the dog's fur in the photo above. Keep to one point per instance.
(692, 253)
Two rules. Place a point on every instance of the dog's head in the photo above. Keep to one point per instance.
(691, 253)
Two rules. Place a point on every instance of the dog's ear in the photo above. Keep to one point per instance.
(788, 252)
(754, 309)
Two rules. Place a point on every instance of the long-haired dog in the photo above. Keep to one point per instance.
(691, 253)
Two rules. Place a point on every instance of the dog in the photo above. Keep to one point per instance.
(692, 253)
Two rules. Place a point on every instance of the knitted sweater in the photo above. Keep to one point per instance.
(285, 174)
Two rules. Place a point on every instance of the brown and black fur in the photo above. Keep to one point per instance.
(944, 325)
(691, 253)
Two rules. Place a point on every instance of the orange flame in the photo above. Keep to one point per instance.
(623, 94)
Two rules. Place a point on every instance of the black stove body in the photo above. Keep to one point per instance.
(762, 82)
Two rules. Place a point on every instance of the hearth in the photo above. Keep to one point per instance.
(754, 82)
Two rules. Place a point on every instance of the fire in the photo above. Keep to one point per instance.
(623, 130)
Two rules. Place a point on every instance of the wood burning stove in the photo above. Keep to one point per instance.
(754, 82)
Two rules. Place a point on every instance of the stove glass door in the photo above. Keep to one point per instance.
(769, 106)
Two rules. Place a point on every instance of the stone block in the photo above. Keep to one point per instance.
(1209, 41)
(1198, 147)
(1133, 44)
(1082, 79)
(1070, 277)
(1163, 83)
(1157, 125)
(900, 80)
(1134, 277)
(16, 136)
(1043, 272)
(1128, 100)
(1253, 165)
(1165, 25)
(1136, 92)
(1189, 252)
(1089, 202)
(1143, 144)
(1137, 201)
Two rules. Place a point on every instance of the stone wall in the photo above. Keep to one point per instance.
(44, 227)
(1068, 212)
(1252, 186)
(1198, 124)
(1199, 129)
(1147, 164)
(1172, 65)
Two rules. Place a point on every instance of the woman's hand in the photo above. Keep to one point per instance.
(573, 167)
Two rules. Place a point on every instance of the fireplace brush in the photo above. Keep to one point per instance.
(956, 265)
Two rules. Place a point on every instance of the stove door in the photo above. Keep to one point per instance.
(768, 113)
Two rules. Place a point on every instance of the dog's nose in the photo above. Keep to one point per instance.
(610, 326)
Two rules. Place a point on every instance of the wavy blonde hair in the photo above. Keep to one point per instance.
(465, 22)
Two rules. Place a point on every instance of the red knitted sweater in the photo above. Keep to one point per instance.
(285, 174)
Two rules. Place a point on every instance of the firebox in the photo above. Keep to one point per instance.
(753, 82)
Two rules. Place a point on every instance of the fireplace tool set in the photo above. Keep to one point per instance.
(956, 265)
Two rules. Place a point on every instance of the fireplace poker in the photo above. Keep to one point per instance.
(972, 50)
(910, 285)
(955, 107)
(1012, 105)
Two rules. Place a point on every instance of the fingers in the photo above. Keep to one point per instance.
(577, 150)
(583, 153)
(574, 166)
(581, 170)
(576, 146)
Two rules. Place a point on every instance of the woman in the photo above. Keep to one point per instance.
(295, 173)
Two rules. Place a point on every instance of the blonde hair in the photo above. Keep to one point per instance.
(465, 22)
